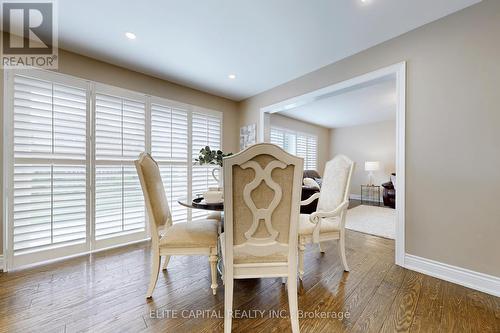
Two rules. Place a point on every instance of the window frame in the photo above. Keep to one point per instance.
(287, 131)
(92, 88)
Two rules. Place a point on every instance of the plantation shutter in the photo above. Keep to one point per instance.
(278, 137)
(169, 147)
(119, 139)
(72, 185)
(49, 172)
(312, 153)
(306, 147)
(302, 149)
(206, 131)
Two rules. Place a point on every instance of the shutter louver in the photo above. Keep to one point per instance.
(206, 132)
(49, 186)
(119, 139)
(169, 147)
(74, 184)
(302, 145)
(278, 137)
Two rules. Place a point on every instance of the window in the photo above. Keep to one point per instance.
(49, 167)
(119, 139)
(300, 144)
(206, 132)
(73, 185)
(169, 146)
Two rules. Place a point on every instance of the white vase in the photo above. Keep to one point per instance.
(214, 170)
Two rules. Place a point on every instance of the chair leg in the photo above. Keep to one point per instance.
(165, 263)
(293, 303)
(320, 248)
(302, 248)
(155, 269)
(228, 302)
(213, 270)
(283, 280)
(342, 251)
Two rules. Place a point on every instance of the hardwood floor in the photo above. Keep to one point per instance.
(105, 292)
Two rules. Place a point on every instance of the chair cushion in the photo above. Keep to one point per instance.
(190, 234)
(306, 227)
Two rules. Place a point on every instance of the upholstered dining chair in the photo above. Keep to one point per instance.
(261, 209)
(328, 221)
(167, 238)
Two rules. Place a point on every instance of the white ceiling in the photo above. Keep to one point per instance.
(370, 103)
(264, 42)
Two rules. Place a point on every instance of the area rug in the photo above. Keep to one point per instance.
(373, 220)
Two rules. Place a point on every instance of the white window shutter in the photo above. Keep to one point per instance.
(119, 139)
(49, 185)
(169, 147)
(206, 131)
(278, 137)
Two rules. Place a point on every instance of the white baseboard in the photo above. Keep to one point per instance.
(479, 281)
(358, 197)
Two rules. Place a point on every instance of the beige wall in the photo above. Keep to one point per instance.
(370, 142)
(322, 133)
(91, 69)
(452, 131)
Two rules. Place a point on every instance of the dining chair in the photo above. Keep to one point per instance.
(168, 238)
(261, 209)
(328, 221)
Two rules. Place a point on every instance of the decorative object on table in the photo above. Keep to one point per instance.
(212, 157)
(259, 181)
(168, 238)
(328, 221)
(389, 192)
(213, 195)
(370, 167)
(370, 194)
(248, 136)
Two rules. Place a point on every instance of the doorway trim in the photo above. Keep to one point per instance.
(399, 70)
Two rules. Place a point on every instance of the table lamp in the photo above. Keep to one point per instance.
(370, 167)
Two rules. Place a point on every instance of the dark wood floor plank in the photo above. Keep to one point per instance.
(481, 307)
(429, 309)
(374, 314)
(105, 292)
(402, 311)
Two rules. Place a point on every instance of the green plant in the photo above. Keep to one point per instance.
(209, 156)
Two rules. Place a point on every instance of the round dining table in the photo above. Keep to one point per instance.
(198, 203)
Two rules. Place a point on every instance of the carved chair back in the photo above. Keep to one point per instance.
(261, 206)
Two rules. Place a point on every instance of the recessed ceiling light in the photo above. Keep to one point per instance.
(130, 35)
(232, 76)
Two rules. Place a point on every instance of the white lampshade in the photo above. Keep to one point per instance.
(372, 166)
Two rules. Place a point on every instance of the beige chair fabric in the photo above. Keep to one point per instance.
(190, 234)
(153, 185)
(186, 238)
